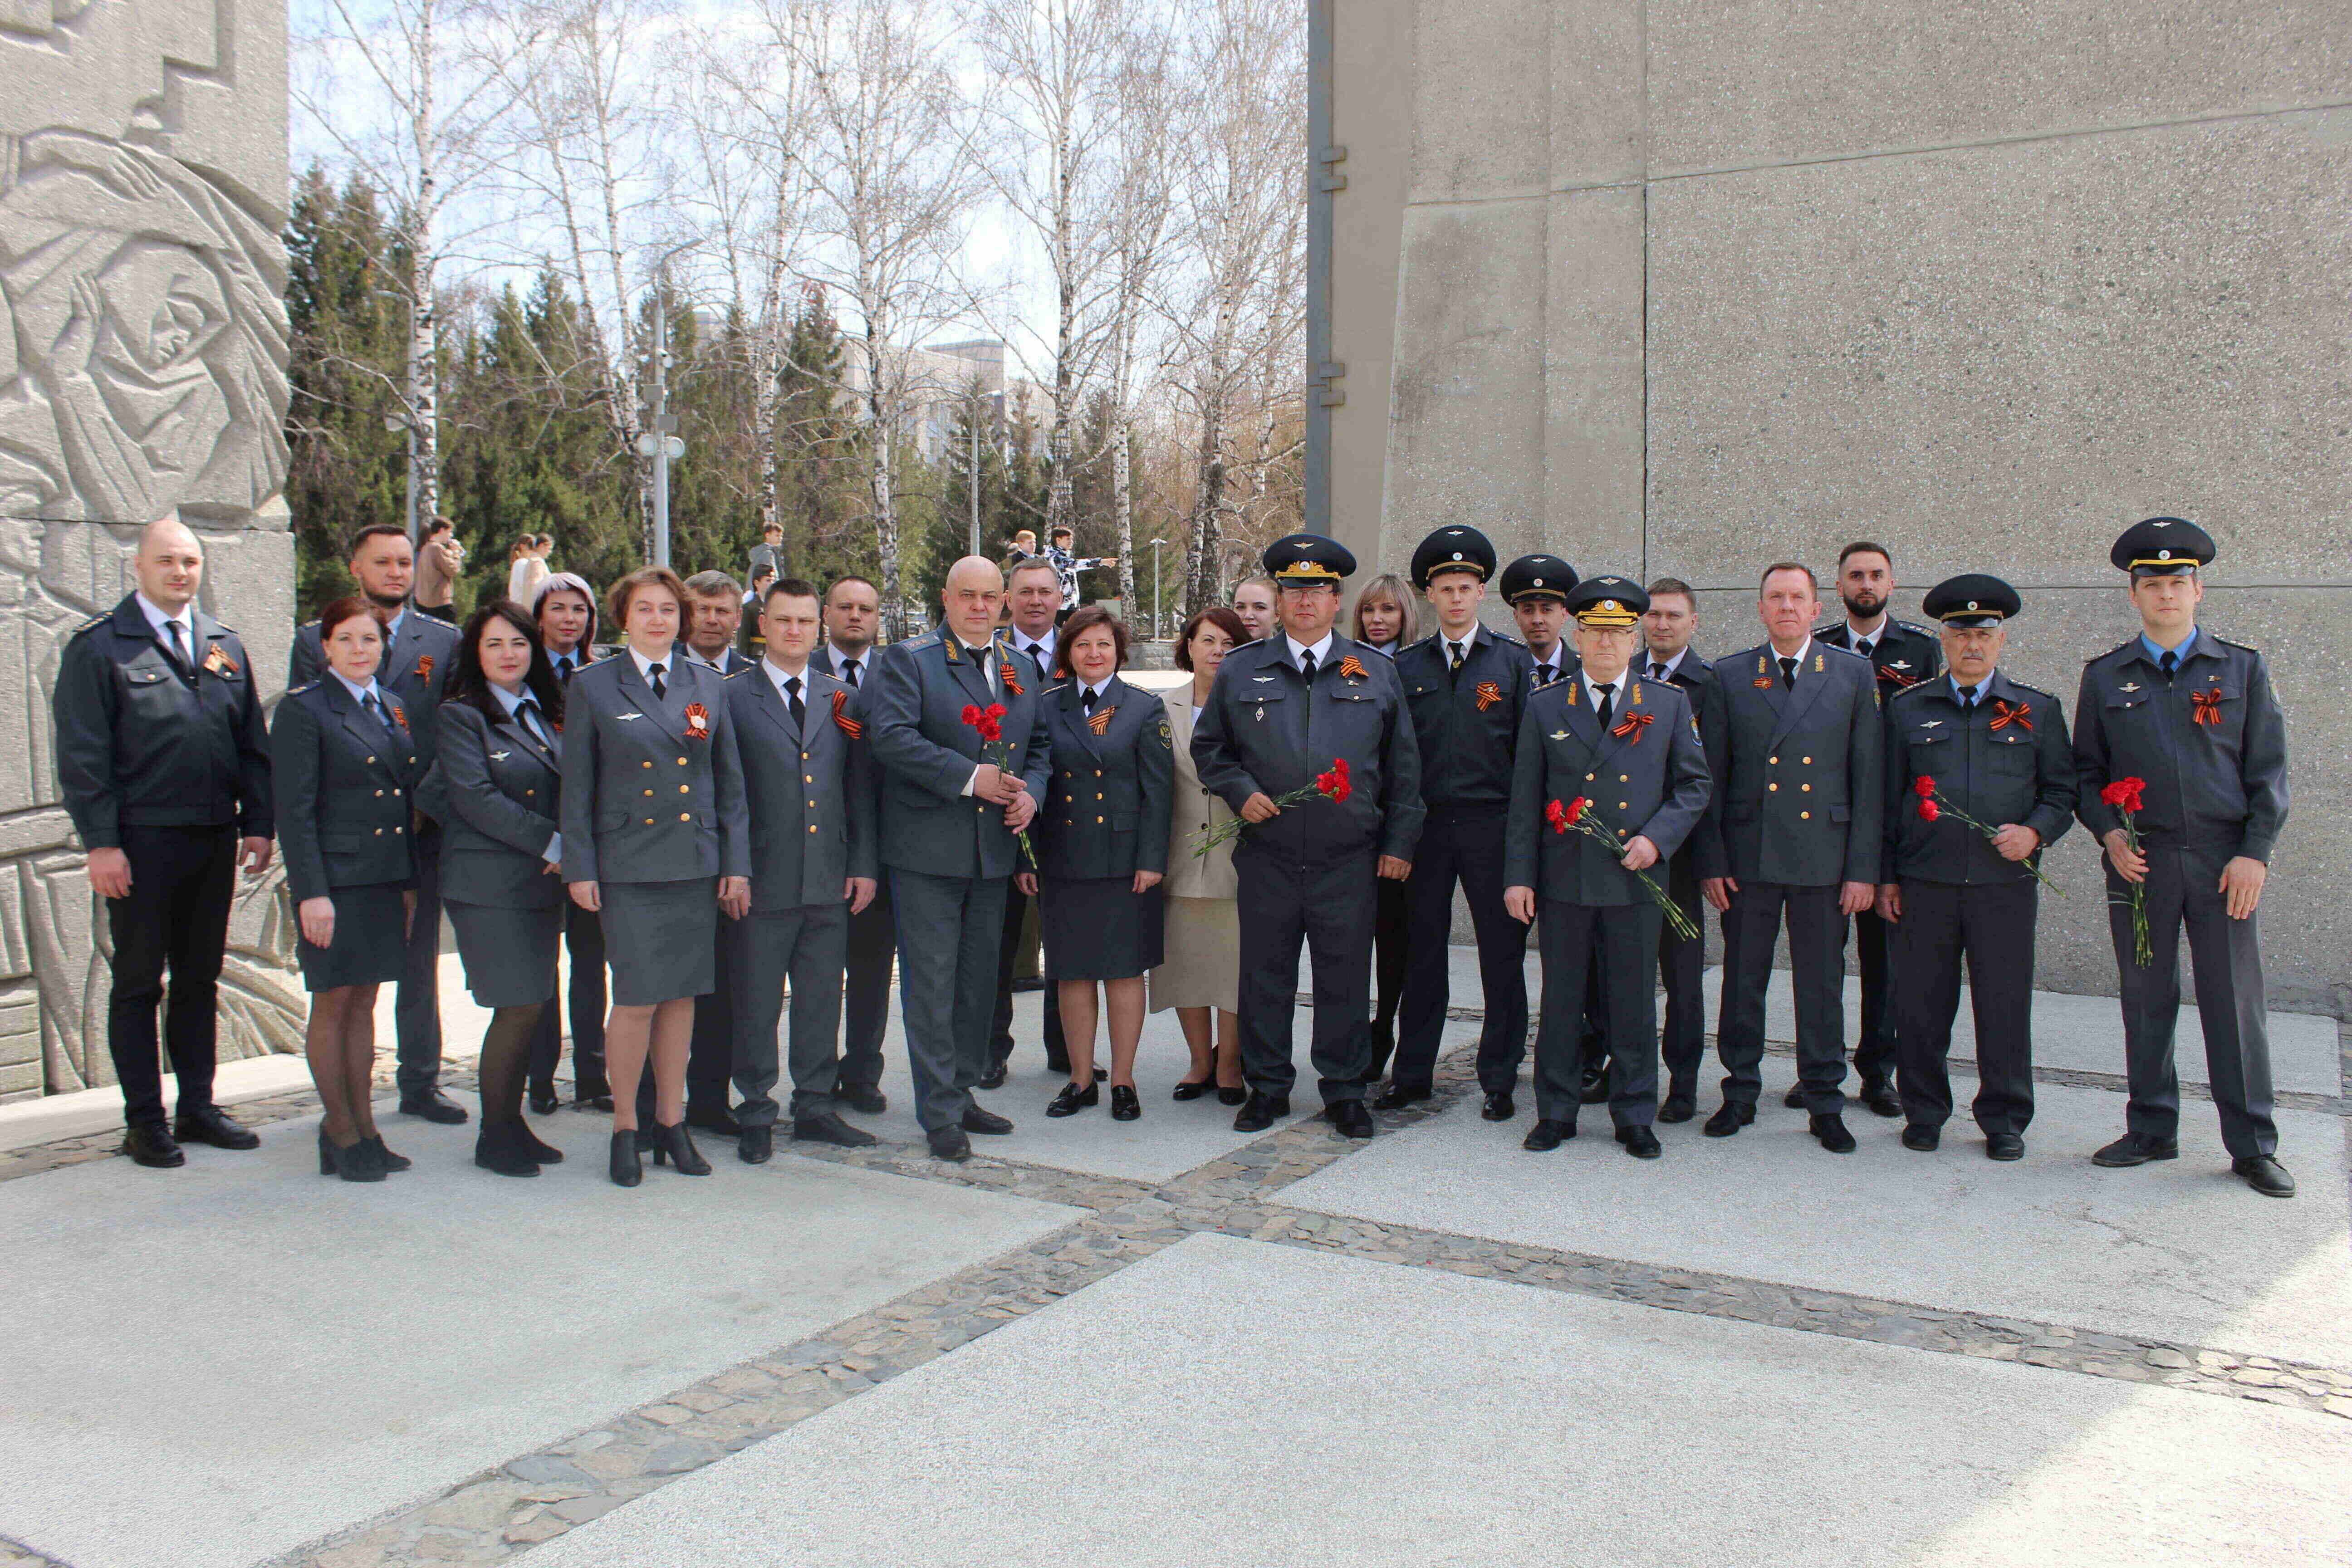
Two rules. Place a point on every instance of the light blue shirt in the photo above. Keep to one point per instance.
(363, 695)
(511, 701)
(2157, 650)
(1964, 695)
(392, 629)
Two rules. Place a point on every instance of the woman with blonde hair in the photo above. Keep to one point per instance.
(1384, 619)
(1385, 623)
(1202, 972)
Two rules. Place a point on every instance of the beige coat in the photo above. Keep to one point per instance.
(1192, 876)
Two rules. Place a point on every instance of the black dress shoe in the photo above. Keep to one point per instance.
(674, 1145)
(718, 1119)
(2004, 1146)
(392, 1162)
(1262, 1111)
(544, 1099)
(1124, 1105)
(994, 1077)
(148, 1144)
(1546, 1136)
(432, 1105)
(211, 1124)
(1233, 1096)
(1498, 1106)
(1880, 1098)
(1921, 1137)
(1187, 1090)
(975, 1119)
(603, 1102)
(862, 1097)
(1679, 1106)
(950, 1143)
(2136, 1149)
(1640, 1142)
(1594, 1089)
(1349, 1118)
(1795, 1099)
(1831, 1130)
(625, 1170)
(1022, 983)
(2265, 1175)
(1733, 1115)
(828, 1127)
(1397, 1095)
(757, 1145)
(1072, 1099)
(500, 1152)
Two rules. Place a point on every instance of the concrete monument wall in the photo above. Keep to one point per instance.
(1679, 288)
(142, 367)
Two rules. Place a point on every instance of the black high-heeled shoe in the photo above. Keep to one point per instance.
(499, 1150)
(353, 1161)
(537, 1148)
(676, 1144)
(1124, 1105)
(1072, 1099)
(1233, 1096)
(390, 1161)
(1187, 1090)
(626, 1171)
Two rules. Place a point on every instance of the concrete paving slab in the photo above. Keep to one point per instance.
(214, 1365)
(1169, 1139)
(1234, 1402)
(26, 1122)
(2180, 1251)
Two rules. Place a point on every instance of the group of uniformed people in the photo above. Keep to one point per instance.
(726, 831)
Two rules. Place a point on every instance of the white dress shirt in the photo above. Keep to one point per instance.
(835, 659)
(777, 674)
(1322, 650)
(1856, 636)
(1551, 661)
(1802, 649)
(1616, 688)
(1044, 645)
(1652, 664)
(646, 666)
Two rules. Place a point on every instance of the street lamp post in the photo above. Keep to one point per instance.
(661, 441)
(1158, 622)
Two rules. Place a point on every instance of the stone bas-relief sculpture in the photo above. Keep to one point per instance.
(142, 368)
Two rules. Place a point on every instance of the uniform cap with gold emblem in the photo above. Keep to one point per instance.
(1608, 602)
(1303, 560)
(1452, 548)
(1971, 599)
(2162, 547)
(1538, 576)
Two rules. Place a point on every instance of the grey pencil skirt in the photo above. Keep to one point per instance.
(510, 954)
(661, 939)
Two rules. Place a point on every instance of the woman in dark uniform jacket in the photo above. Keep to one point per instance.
(657, 839)
(1385, 623)
(1102, 848)
(345, 772)
(494, 786)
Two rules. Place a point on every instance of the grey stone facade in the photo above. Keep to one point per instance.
(142, 367)
(1674, 289)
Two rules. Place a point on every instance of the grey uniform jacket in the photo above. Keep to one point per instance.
(141, 744)
(810, 787)
(495, 790)
(1107, 808)
(1263, 729)
(1802, 796)
(421, 661)
(2215, 783)
(2007, 760)
(346, 790)
(1649, 782)
(911, 705)
(652, 791)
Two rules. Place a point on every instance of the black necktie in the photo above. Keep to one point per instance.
(849, 672)
(376, 712)
(1307, 666)
(527, 711)
(2168, 663)
(1862, 648)
(1088, 700)
(661, 691)
(1969, 698)
(1454, 651)
(179, 649)
(1657, 670)
(1608, 690)
(1037, 652)
(563, 668)
(1788, 674)
(793, 698)
(1545, 675)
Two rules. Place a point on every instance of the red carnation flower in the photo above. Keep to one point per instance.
(1928, 810)
(1923, 786)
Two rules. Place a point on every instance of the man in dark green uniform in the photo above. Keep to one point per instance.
(1284, 711)
(1976, 744)
(2193, 719)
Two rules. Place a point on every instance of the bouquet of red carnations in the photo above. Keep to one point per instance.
(1574, 817)
(1333, 786)
(990, 722)
(1933, 805)
(2127, 795)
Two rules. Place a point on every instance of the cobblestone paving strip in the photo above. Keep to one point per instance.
(17, 1554)
(542, 1495)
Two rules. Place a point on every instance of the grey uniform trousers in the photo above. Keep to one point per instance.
(949, 931)
(808, 946)
(416, 1004)
(1816, 973)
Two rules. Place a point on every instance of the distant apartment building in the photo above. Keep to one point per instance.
(935, 383)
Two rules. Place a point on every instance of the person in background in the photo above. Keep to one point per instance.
(1033, 591)
(648, 736)
(1060, 550)
(422, 649)
(747, 641)
(1200, 973)
(1253, 603)
(853, 614)
(494, 787)
(714, 613)
(768, 554)
(165, 769)
(439, 560)
(1667, 655)
(345, 773)
(1023, 546)
(567, 630)
(526, 569)
(1385, 621)
(1102, 852)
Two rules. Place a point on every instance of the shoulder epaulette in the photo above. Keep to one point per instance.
(1909, 626)
(2020, 685)
(306, 626)
(1057, 686)
(92, 623)
(432, 620)
(1917, 687)
(298, 690)
(1505, 637)
(2120, 647)
(1842, 652)
(2241, 648)
(733, 673)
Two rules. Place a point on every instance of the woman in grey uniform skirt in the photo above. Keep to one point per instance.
(1102, 848)
(345, 772)
(656, 841)
(494, 786)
